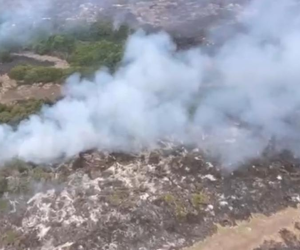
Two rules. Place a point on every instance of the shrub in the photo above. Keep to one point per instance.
(56, 43)
(199, 199)
(31, 74)
(85, 72)
(19, 72)
(106, 31)
(20, 111)
(43, 74)
(97, 54)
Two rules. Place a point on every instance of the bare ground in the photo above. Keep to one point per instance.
(37, 91)
(251, 234)
(52, 60)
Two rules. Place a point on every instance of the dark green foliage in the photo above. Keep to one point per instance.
(105, 31)
(98, 54)
(85, 72)
(98, 31)
(98, 44)
(19, 72)
(30, 74)
(43, 74)
(122, 33)
(59, 44)
(64, 43)
(87, 47)
(14, 114)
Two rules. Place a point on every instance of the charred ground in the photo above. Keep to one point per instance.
(165, 199)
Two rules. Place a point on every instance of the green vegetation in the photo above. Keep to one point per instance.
(98, 31)
(28, 74)
(64, 42)
(17, 177)
(180, 208)
(4, 205)
(21, 110)
(97, 54)
(199, 199)
(16, 183)
(10, 238)
(118, 197)
(40, 174)
(169, 199)
(87, 47)
(184, 205)
(60, 45)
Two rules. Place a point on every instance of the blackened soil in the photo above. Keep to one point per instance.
(263, 186)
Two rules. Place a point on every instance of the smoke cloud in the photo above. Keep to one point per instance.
(19, 19)
(230, 103)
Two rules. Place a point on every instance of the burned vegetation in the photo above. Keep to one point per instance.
(164, 199)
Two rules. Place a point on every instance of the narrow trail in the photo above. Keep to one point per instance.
(251, 234)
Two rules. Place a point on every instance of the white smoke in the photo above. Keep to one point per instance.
(20, 18)
(151, 96)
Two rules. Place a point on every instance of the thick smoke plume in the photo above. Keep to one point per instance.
(231, 103)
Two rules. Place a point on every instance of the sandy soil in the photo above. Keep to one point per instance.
(251, 234)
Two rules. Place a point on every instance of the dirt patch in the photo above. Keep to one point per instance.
(54, 61)
(48, 91)
(251, 234)
(6, 83)
(287, 239)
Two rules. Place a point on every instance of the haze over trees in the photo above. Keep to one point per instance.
(86, 47)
